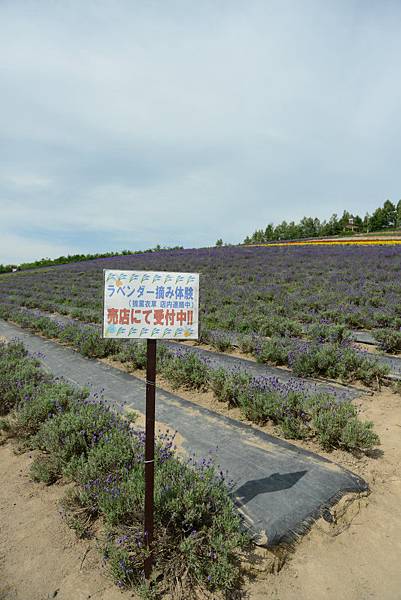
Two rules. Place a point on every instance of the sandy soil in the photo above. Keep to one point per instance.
(40, 557)
(358, 557)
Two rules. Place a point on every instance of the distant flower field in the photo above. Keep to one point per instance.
(261, 290)
(350, 242)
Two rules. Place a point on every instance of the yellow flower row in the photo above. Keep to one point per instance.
(332, 243)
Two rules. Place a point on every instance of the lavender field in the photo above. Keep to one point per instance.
(246, 290)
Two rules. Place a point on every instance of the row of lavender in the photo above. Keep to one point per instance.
(298, 411)
(198, 534)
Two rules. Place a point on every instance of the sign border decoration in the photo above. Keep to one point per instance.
(150, 305)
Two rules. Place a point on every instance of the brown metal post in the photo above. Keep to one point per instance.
(150, 450)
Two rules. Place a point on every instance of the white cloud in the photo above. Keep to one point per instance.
(191, 121)
(25, 180)
(26, 249)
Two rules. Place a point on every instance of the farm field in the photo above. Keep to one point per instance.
(291, 307)
(287, 293)
(243, 289)
(329, 558)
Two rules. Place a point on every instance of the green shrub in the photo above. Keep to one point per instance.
(382, 319)
(90, 343)
(45, 469)
(47, 400)
(48, 327)
(5, 313)
(337, 424)
(329, 333)
(12, 349)
(135, 354)
(70, 435)
(371, 372)
(337, 362)
(275, 351)
(70, 334)
(389, 340)
(226, 385)
(247, 343)
(197, 531)
(19, 376)
(4, 425)
(204, 335)
(262, 405)
(298, 415)
(274, 326)
(358, 435)
(304, 364)
(187, 370)
(111, 454)
(329, 422)
(220, 341)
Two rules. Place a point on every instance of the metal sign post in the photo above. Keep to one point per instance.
(150, 451)
(150, 305)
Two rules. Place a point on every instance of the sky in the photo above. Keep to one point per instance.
(127, 124)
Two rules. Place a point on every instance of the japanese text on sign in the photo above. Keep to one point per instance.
(147, 304)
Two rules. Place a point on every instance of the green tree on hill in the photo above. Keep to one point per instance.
(386, 217)
(389, 214)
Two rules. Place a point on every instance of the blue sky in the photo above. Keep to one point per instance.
(125, 124)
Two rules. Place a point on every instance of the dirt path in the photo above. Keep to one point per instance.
(359, 558)
(40, 557)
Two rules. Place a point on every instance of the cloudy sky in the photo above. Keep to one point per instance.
(125, 124)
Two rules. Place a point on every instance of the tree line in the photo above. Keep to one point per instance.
(62, 260)
(386, 217)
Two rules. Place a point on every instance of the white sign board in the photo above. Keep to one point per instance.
(150, 304)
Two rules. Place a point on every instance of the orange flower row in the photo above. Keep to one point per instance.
(331, 243)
